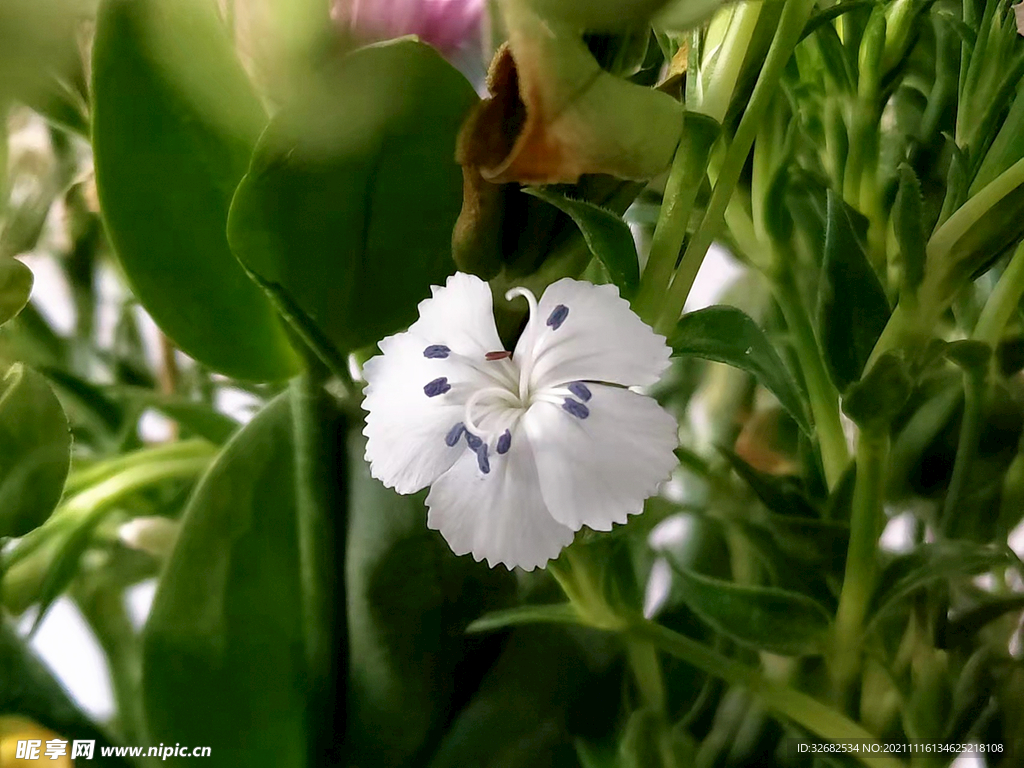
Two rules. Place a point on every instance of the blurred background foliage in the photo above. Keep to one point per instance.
(230, 195)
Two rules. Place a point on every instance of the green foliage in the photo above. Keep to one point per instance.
(607, 236)
(347, 209)
(852, 307)
(167, 164)
(15, 288)
(727, 335)
(35, 449)
(766, 618)
(227, 607)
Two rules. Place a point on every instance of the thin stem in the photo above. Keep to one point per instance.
(861, 557)
(320, 538)
(967, 446)
(791, 24)
(689, 167)
(824, 398)
(1002, 302)
(103, 607)
(81, 479)
(804, 710)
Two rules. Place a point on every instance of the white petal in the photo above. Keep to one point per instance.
(597, 470)
(405, 430)
(600, 339)
(459, 315)
(500, 516)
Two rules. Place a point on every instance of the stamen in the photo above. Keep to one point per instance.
(557, 317)
(581, 390)
(437, 387)
(502, 355)
(528, 341)
(473, 441)
(454, 435)
(481, 459)
(436, 352)
(504, 442)
(579, 410)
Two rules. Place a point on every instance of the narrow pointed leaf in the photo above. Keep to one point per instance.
(852, 307)
(728, 335)
(607, 236)
(908, 224)
(766, 618)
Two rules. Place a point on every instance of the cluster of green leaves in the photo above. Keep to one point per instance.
(305, 615)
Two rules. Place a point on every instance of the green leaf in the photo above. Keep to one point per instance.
(607, 236)
(348, 207)
(410, 600)
(225, 626)
(560, 613)
(29, 689)
(928, 563)
(174, 123)
(775, 620)
(727, 335)
(852, 307)
(908, 224)
(196, 417)
(15, 288)
(35, 451)
(877, 398)
(781, 495)
(549, 684)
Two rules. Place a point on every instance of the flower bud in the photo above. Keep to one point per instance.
(448, 25)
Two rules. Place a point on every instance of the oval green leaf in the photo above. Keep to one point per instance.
(35, 451)
(15, 288)
(346, 213)
(225, 627)
(167, 164)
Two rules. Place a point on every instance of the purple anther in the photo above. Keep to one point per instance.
(504, 442)
(581, 390)
(436, 352)
(454, 435)
(473, 441)
(437, 387)
(481, 459)
(557, 317)
(579, 410)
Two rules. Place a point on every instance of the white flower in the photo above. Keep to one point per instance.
(520, 449)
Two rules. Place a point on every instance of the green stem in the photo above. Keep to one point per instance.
(103, 608)
(967, 446)
(791, 24)
(824, 398)
(804, 710)
(861, 557)
(1002, 302)
(321, 551)
(689, 167)
(81, 479)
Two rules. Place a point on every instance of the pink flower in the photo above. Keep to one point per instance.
(448, 25)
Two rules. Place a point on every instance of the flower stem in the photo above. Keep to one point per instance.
(804, 710)
(689, 167)
(791, 24)
(824, 398)
(861, 557)
(318, 468)
(1002, 302)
